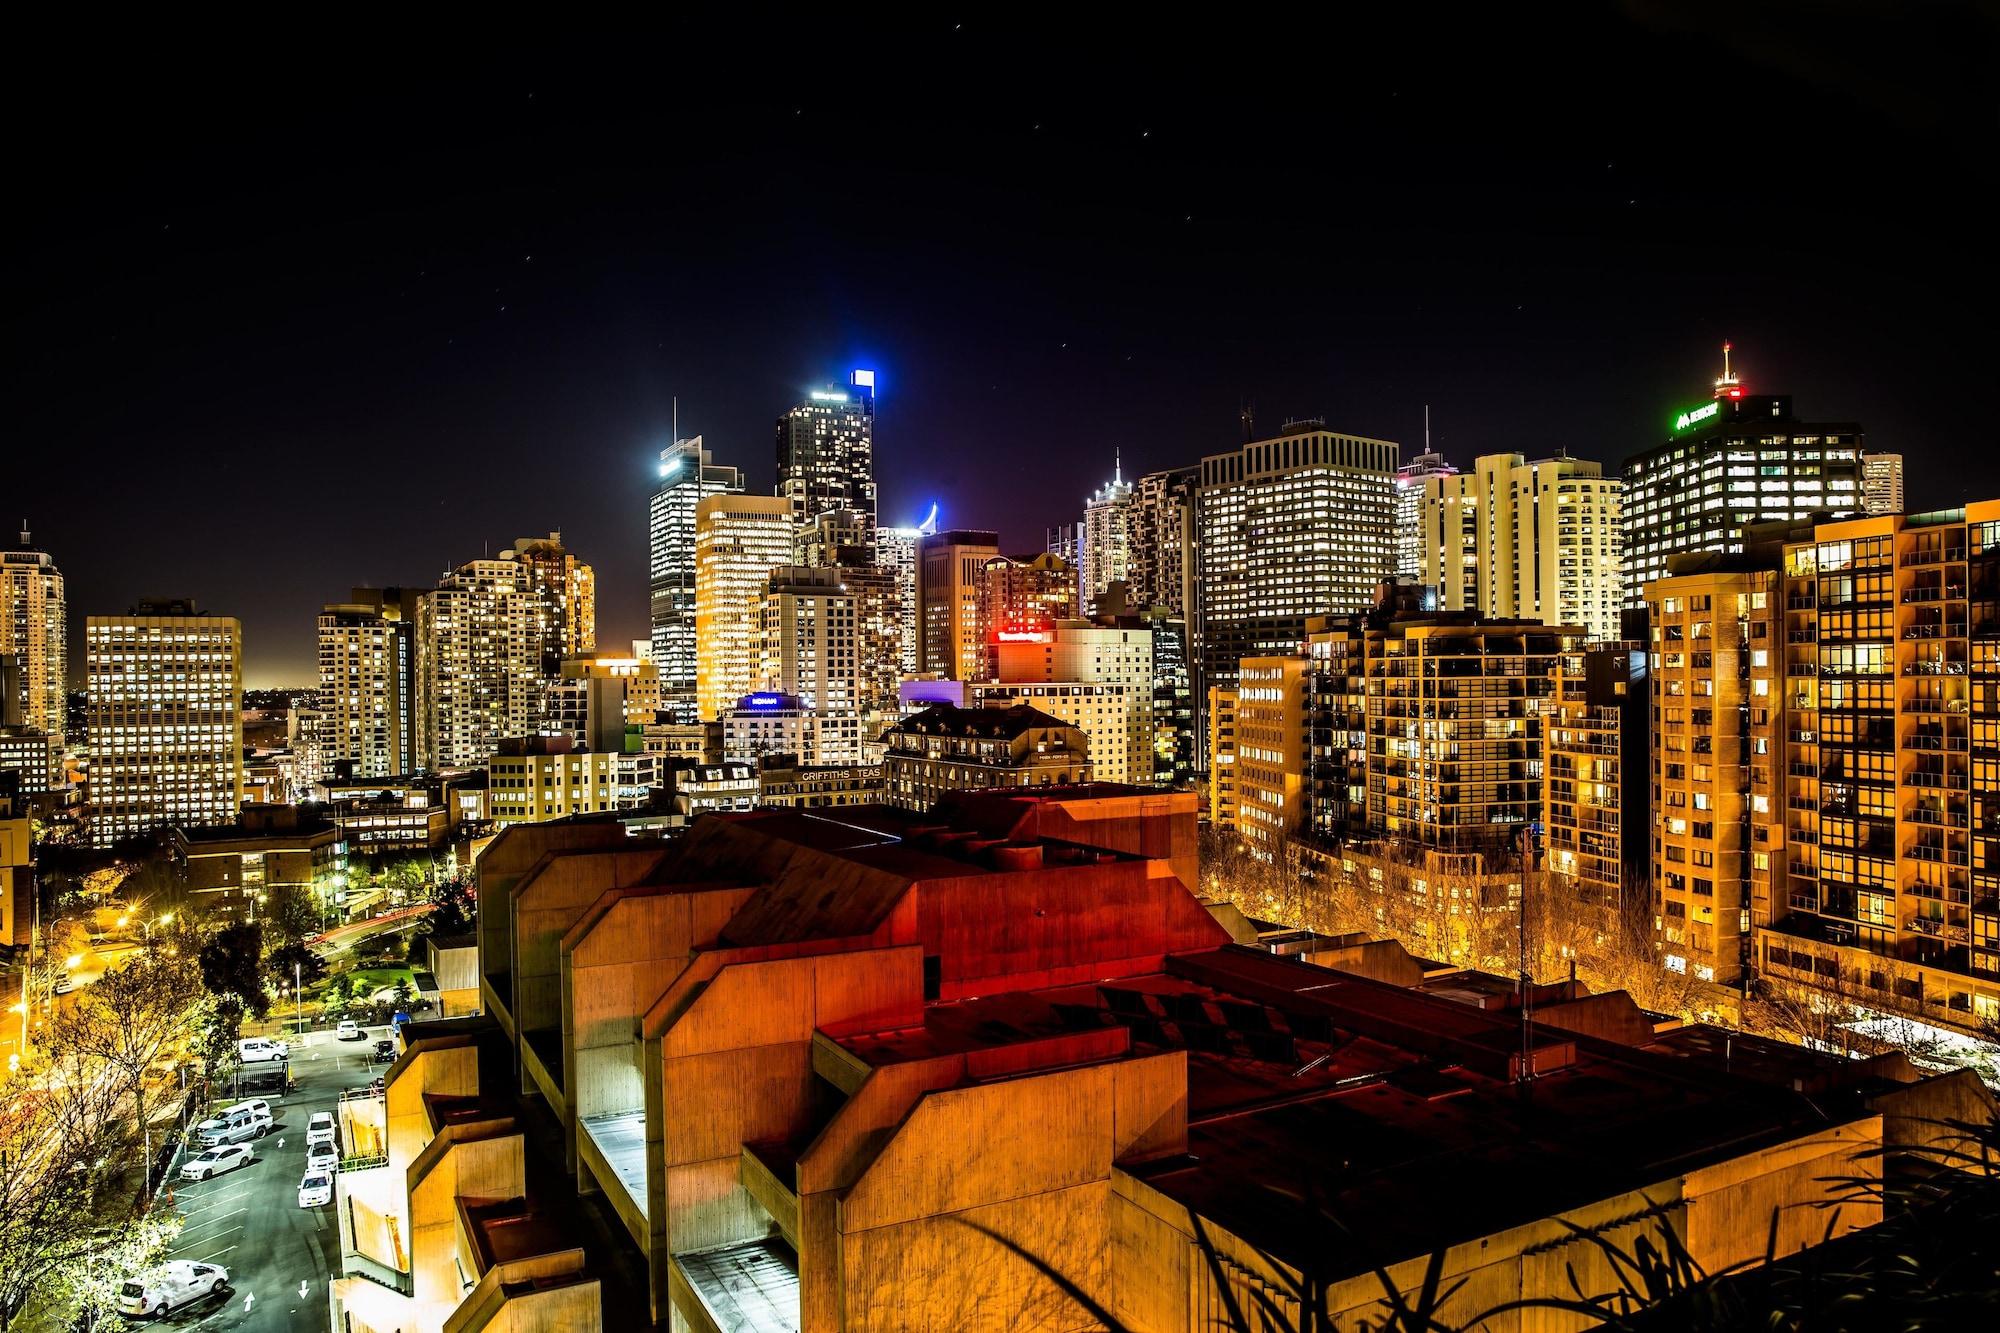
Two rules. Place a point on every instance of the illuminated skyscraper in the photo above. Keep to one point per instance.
(687, 477)
(1106, 535)
(950, 568)
(1882, 483)
(1299, 525)
(1544, 541)
(1162, 556)
(166, 720)
(826, 451)
(1412, 534)
(896, 551)
(1734, 460)
(35, 632)
(367, 700)
(738, 541)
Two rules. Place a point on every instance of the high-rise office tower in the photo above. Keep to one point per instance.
(1734, 460)
(896, 551)
(35, 632)
(738, 541)
(687, 477)
(1162, 558)
(1413, 537)
(826, 451)
(1299, 525)
(1882, 483)
(564, 592)
(1021, 595)
(479, 662)
(835, 537)
(949, 569)
(1544, 541)
(1066, 540)
(367, 699)
(166, 720)
(1106, 538)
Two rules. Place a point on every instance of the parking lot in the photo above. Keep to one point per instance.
(279, 1256)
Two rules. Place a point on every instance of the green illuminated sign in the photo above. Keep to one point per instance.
(1694, 416)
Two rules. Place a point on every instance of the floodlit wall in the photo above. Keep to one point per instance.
(932, 1235)
(498, 867)
(617, 960)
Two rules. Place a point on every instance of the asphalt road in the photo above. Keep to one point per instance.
(279, 1256)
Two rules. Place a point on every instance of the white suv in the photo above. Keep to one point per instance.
(320, 1129)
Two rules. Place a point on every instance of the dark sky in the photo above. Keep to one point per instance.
(286, 314)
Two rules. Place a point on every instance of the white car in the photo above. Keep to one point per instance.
(320, 1129)
(349, 1030)
(250, 1050)
(63, 985)
(171, 1286)
(322, 1157)
(215, 1161)
(316, 1189)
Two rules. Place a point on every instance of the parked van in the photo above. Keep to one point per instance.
(250, 1120)
(252, 1049)
(170, 1286)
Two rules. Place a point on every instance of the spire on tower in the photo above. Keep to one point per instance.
(1728, 386)
(1117, 466)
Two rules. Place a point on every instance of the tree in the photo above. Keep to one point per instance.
(404, 994)
(295, 961)
(229, 966)
(136, 1016)
(84, 1291)
(291, 915)
(454, 911)
(58, 1129)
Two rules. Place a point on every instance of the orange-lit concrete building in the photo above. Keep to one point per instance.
(875, 1069)
(437, 1229)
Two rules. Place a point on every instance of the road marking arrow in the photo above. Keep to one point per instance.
(304, 1287)
(249, 1299)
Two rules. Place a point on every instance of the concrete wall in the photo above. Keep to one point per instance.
(546, 902)
(912, 1234)
(732, 1063)
(497, 867)
(616, 961)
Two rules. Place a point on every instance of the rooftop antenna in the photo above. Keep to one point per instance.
(1246, 413)
(677, 419)
(1427, 427)
(1117, 466)
(25, 533)
(1729, 386)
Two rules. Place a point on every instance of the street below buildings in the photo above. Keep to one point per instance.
(279, 1256)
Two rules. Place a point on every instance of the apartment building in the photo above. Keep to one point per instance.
(1890, 891)
(1111, 718)
(739, 540)
(1719, 687)
(1527, 540)
(1271, 736)
(1595, 756)
(1222, 799)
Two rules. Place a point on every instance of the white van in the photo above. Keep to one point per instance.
(170, 1286)
(252, 1049)
(248, 1120)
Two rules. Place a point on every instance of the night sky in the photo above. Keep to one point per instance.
(284, 316)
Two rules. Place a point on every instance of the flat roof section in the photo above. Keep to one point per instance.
(621, 1142)
(751, 1288)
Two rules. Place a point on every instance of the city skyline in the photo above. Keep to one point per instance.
(1040, 281)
